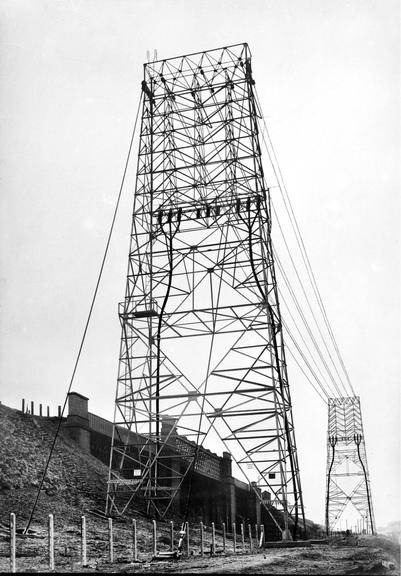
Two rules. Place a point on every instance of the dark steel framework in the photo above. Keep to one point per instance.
(347, 467)
(202, 351)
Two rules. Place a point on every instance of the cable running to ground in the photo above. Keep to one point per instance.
(87, 321)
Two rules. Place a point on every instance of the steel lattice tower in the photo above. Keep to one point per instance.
(202, 351)
(347, 467)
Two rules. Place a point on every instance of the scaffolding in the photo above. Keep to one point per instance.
(202, 352)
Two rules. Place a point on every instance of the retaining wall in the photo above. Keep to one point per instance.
(216, 496)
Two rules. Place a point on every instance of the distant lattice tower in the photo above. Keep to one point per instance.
(202, 350)
(347, 468)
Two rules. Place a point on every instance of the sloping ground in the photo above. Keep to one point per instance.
(75, 485)
(74, 481)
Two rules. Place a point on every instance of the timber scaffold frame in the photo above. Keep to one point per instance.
(201, 284)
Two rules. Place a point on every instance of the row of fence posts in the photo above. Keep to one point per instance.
(25, 409)
(259, 533)
(259, 530)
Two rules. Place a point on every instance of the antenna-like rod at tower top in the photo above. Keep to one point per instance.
(202, 187)
(148, 58)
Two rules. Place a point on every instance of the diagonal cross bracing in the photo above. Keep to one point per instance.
(348, 481)
(202, 350)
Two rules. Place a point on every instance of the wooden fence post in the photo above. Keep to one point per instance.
(201, 539)
(134, 542)
(213, 550)
(84, 560)
(234, 542)
(12, 543)
(51, 542)
(261, 536)
(242, 537)
(250, 538)
(224, 537)
(187, 534)
(171, 535)
(111, 543)
(154, 538)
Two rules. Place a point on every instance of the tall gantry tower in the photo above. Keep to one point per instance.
(348, 482)
(202, 350)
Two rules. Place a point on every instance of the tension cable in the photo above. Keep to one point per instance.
(87, 320)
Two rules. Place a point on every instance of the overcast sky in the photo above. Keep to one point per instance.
(327, 74)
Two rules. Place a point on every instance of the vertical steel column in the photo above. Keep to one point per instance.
(201, 270)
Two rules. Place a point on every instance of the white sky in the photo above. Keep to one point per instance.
(327, 73)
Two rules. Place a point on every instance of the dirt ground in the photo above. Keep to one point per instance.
(75, 485)
(354, 555)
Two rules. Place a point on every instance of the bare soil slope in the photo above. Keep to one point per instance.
(75, 485)
(74, 480)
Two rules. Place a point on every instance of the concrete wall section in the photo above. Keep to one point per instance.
(77, 423)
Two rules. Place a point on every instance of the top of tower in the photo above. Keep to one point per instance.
(189, 64)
